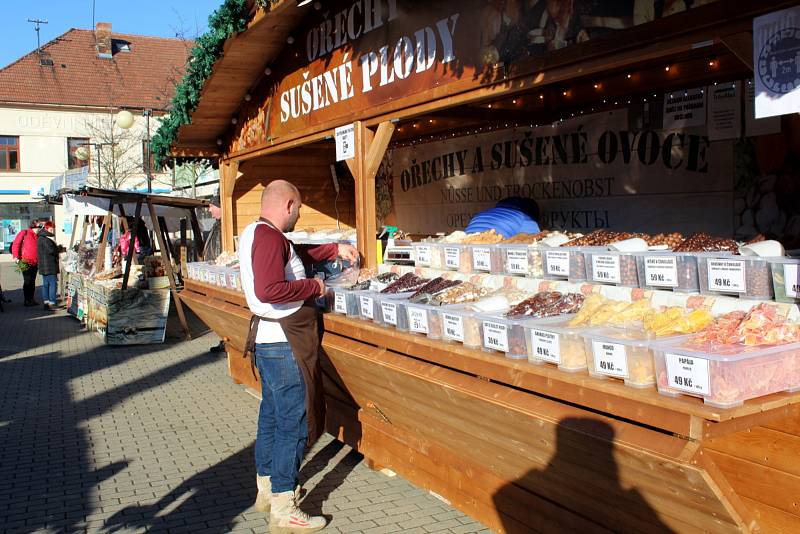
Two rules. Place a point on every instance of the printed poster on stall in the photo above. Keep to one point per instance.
(585, 173)
(724, 111)
(776, 54)
(685, 108)
(752, 125)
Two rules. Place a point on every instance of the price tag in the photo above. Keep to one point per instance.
(605, 268)
(688, 373)
(546, 346)
(452, 257)
(389, 310)
(557, 262)
(481, 259)
(223, 280)
(791, 280)
(661, 271)
(418, 320)
(453, 327)
(367, 307)
(339, 305)
(516, 261)
(495, 336)
(726, 276)
(423, 256)
(610, 359)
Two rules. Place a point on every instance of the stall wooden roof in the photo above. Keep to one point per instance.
(131, 196)
(244, 59)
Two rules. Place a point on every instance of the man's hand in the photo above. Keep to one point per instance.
(321, 286)
(348, 252)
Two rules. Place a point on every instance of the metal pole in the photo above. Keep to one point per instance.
(148, 169)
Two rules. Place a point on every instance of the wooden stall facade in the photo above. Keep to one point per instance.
(519, 447)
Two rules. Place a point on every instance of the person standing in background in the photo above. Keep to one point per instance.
(47, 253)
(213, 246)
(24, 250)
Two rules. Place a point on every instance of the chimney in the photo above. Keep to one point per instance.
(102, 36)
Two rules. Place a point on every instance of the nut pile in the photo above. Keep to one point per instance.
(702, 242)
(434, 286)
(547, 304)
(407, 282)
(600, 238)
(463, 292)
(489, 237)
(670, 240)
(526, 239)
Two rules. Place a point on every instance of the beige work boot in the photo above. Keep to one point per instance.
(264, 495)
(287, 518)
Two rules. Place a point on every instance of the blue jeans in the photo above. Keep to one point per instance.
(282, 428)
(49, 287)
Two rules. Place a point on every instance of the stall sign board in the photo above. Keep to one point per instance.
(776, 54)
(725, 111)
(685, 108)
(345, 142)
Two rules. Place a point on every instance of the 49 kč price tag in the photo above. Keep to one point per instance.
(610, 359)
(726, 276)
(688, 373)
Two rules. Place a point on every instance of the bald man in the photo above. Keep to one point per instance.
(284, 341)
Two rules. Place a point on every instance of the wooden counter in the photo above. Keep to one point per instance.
(530, 448)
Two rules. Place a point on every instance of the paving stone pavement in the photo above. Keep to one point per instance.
(158, 439)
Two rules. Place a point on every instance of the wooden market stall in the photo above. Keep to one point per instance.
(519, 447)
(119, 312)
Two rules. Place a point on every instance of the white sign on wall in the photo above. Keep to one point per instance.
(776, 54)
(345, 142)
(752, 125)
(725, 111)
(685, 108)
(586, 173)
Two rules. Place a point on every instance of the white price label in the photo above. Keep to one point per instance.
(726, 276)
(688, 373)
(495, 336)
(367, 307)
(481, 259)
(610, 359)
(423, 256)
(605, 268)
(791, 280)
(452, 257)
(453, 326)
(557, 262)
(546, 346)
(223, 280)
(339, 305)
(517, 261)
(389, 310)
(418, 320)
(661, 271)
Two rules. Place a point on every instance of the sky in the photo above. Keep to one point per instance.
(163, 18)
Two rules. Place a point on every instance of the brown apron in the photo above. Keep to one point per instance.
(301, 329)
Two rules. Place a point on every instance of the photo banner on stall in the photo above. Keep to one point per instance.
(586, 173)
(776, 54)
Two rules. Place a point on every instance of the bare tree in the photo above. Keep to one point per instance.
(117, 152)
(186, 174)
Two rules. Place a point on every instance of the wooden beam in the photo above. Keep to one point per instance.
(228, 173)
(168, 267)
(741, 45)
(74, 231)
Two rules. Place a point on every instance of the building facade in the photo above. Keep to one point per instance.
(60, 111)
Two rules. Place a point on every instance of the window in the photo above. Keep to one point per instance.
(73, 144)
(9, 153)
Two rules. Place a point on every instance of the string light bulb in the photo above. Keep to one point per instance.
(666, 68)
(628, 76)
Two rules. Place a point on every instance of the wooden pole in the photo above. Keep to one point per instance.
(168, 267)
(370, 149)
(228, 173)
(183, 248)
(131, 244)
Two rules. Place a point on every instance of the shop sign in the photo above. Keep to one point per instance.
(345, 142)
(585, 173)
(776, 54)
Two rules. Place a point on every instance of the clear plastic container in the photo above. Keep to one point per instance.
(554, 341)
(569, 263)
(521, 260)
(461, 325)
(456, 258)
(393, 310)
(668, 270)
(423, 253)
(748, 277)
(620, 353)
(437, 258)
(786, 279)
(610, 267)
(234, 280)
(486, 259)
(425, 320)
(368, 306)
(728, 375)
(500, 334)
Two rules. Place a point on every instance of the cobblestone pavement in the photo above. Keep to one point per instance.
(157, 438)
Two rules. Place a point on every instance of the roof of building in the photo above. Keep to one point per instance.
(142, 77)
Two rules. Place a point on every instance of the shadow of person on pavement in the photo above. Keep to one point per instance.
(579, 490)
(312, 501)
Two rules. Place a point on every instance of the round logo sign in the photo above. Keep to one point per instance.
(779, 61)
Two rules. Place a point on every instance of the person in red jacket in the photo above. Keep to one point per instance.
(23, 249)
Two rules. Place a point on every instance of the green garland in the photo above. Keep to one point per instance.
(230, 18)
